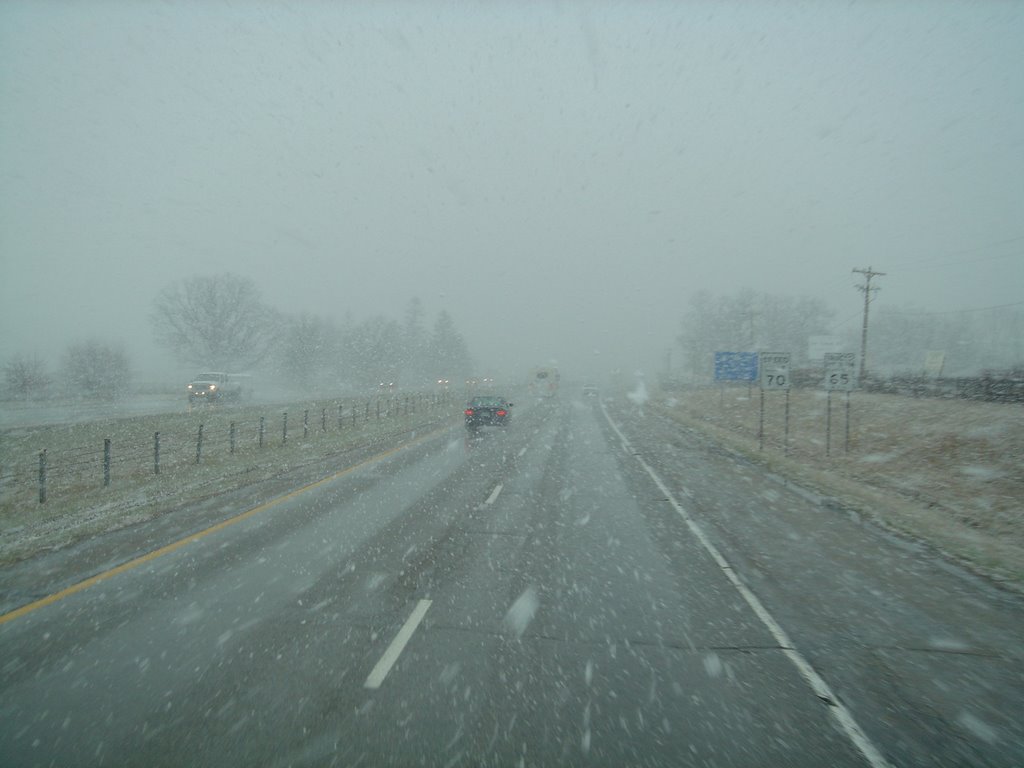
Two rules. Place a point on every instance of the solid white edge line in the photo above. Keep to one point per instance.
(494, 494)
(387, 661)
(817, 684)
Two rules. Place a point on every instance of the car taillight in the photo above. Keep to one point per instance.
(469, 411)
(502, 412)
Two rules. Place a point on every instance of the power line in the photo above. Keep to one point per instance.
(925, 264)
(848, 320)
(977, 248)
(929, 261)
(956, 311)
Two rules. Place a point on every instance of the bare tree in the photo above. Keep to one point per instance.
(217, 321)
(415, 361)
(448, 349)
(380, 350)
(372, 352)
(310, 349)
(95, 369)
(972, 341)
(25, 375)
(751, 322)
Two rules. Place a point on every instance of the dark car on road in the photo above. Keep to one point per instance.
(488, 411)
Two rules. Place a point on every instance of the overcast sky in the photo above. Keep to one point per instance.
(561, 177)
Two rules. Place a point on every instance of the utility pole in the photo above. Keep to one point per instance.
(749, 317)
(867, 288)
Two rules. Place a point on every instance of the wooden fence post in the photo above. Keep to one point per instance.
(106, 462)
(42, 476)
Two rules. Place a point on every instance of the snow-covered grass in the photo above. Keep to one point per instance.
(948, 472)
(78, 504)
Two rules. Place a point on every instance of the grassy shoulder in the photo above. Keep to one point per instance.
(946, 473)
(201, 454)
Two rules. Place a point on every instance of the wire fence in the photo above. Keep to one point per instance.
(95, 456)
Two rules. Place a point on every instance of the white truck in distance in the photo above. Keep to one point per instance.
(217, 387)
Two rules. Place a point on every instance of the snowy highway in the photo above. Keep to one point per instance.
(591, 586)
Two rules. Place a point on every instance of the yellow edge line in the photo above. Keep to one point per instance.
(165, 550)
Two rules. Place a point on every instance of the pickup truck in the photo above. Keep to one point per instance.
(216, 387)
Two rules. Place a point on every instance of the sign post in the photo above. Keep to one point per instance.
(774, 373)
(841, 376)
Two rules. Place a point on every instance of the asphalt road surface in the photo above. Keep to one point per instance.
(591, 586)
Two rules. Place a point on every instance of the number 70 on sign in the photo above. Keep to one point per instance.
(774, 368)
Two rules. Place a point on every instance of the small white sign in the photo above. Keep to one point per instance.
(774, 368)
(817, 346)
(934, 363)
(840, 371)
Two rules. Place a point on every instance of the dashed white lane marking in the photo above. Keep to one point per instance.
(494, 494)
(821, 689)
(387, 661)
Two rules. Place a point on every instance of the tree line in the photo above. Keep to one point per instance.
(221, 322)
(898, 339)
(92, 367)
(748, 321)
